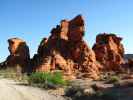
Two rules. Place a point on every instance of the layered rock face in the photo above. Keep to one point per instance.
(19, 53)
(66, 50)
(109, 51)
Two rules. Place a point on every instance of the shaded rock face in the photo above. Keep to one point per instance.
(109, 51)
(66, 50)
(19, 53)
(130, 63)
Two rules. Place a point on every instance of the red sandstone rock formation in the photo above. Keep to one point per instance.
(66, 50)
(19, 53)
(109, 51)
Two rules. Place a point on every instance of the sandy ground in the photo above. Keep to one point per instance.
(10, 90)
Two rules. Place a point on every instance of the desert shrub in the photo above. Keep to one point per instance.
(73, 90)
(113, 79)
(47, 79)
(8, 73)
(12, 73)
(57, 78)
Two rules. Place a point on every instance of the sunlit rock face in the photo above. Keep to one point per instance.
(109, 51)
(19, 53)
(66, 50)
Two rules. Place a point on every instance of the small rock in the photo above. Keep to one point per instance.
(89, 91)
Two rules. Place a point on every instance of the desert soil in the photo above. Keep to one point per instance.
(11, 90)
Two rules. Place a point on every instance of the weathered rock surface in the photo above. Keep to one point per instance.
(99, 90)
(109, 51)
(19, 53)
(66, 50)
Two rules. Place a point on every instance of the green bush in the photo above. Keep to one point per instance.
(57, 78)
(113, 79)
(46, 79)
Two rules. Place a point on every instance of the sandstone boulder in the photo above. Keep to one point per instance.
(19, 53)
(109, 51)
(66, 50)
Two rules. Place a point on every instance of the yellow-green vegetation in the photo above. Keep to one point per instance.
(110, 77)
(47, 79)
(39, 79)
(113, 79)
(8, 73)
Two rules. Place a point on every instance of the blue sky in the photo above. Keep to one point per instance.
(32, 20)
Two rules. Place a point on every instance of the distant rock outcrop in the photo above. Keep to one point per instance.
(128, 56)
(66, 50)
(19, 53)
(130, 63)
(109, 51)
